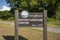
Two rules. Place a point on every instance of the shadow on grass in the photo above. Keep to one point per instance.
(12, 38)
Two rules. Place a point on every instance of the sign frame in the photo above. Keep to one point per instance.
(33, 20)
(44, 25)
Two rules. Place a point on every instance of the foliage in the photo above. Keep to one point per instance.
(50, 19)
(5, 15)
(58, 15)
(36, 5)
(33, 6)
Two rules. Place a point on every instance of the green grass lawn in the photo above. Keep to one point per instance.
(7, 33)
(54, 24)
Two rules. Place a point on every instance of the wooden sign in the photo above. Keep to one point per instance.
(28, 19)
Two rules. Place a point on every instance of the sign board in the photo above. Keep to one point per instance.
(27, 19)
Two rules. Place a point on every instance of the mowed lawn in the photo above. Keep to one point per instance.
(7, 33)
(54, 24)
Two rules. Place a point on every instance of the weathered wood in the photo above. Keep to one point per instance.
(16, 25)
(45, 25)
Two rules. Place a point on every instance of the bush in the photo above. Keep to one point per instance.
(11, 18)
(5, 15)
(58, 16)
(50, 19)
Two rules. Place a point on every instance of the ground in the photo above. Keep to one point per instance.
(7, 33)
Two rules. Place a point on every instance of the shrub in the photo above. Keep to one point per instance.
(50, 19)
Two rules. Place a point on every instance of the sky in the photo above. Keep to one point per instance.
(4, 6)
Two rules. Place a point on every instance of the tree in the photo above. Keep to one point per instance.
(5, 15)
(30, 5)
(53, 7)
(36, 5)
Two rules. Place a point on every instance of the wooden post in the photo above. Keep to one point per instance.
(45, 25)
(16, 25)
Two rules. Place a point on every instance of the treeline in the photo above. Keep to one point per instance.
(6, 15)
(53, 7)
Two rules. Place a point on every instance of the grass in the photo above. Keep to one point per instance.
(54, 24)
(27, 33)
(7, 30)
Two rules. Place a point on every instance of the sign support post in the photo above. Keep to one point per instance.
(16, 25)
(21, 18)
(45, 25)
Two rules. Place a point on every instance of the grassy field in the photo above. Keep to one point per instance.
(54, 24)
(7, 33)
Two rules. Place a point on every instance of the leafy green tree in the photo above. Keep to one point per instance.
(36, 6)
(53, 7)
(30, 5)
(5, 15)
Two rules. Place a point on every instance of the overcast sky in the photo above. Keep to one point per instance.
(4, 6)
